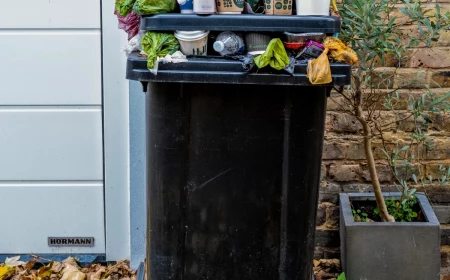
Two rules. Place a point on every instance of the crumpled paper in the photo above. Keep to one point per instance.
(176, 57)
(133, 45)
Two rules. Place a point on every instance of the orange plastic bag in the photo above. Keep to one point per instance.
(318, 70)
(340, 51)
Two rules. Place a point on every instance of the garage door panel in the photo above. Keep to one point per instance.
(50, 144)
(31, 214)
(50, 68)
(50, 14)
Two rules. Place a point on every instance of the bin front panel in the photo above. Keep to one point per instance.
(233, 178)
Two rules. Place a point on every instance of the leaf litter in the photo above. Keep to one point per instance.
(68, 269)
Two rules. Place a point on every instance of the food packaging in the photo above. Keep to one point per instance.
(278, 7)
(193, 42)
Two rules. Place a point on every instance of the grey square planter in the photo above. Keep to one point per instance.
(389, 251)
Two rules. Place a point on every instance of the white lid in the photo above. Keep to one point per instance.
(218, 46)
(181, 2)
(190, 35)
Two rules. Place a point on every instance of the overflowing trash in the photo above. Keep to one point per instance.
(256, 50)
(129, 24)
(153, 7)
(124, 7)
(318, 71)
(156, 44)
(340, 51)
(275, 56)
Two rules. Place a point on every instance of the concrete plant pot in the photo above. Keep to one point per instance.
(389, 251)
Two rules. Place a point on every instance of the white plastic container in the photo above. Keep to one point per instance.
(204, 7)
(193, 42)
(313, 7)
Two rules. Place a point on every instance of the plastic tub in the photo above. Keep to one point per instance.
(193, 42)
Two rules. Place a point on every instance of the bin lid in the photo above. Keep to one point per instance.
(242, 23)
(218, 70)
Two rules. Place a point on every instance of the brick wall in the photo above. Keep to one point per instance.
(344, 168)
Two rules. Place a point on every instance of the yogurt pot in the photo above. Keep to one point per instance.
(193, 42)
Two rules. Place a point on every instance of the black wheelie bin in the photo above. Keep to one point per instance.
(234, 158)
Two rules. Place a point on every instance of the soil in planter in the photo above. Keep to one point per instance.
(367, 211)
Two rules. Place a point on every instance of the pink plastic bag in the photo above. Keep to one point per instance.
(130, 23)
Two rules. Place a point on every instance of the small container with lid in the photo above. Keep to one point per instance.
(193, 42)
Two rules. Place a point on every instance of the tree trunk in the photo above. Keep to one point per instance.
(385, 216)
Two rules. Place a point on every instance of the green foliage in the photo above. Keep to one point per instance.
(359, 216)
(374, 31)
(403, 159)
(124, 7)
(156, 44)
(402, 211)
(342, 276)
(153, 7)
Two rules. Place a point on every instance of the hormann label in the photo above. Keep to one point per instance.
(71, 242)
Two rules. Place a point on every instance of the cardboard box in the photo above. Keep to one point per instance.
(279, 7)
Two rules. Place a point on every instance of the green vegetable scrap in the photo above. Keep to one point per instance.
(158, 45)
(275, 56)
(124, 7)
(152, 7)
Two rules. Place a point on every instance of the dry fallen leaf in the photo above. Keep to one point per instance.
(45, 271)
(30, 264)
(57, 267)
(70, 261)
(65, 270)
(74, 275)
(6, 272)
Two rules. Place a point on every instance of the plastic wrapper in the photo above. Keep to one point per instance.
(318, 70)
(177, 57)
(247, 60)
(290, 68)
(124, 7)
(130, 23)
(311, 51)
(153, 7)
(158, 45)
(133, 45)
(275, 56)
(340, 51)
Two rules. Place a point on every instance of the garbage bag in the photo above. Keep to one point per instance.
(152, 7)
(248, 61)
(124, 7)
(158, 45)
(275, 56)
(340, 51)
(130, 23)
(318, 70)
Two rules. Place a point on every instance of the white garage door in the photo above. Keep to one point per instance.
(51, 151)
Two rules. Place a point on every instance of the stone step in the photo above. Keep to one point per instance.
(442, 213)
